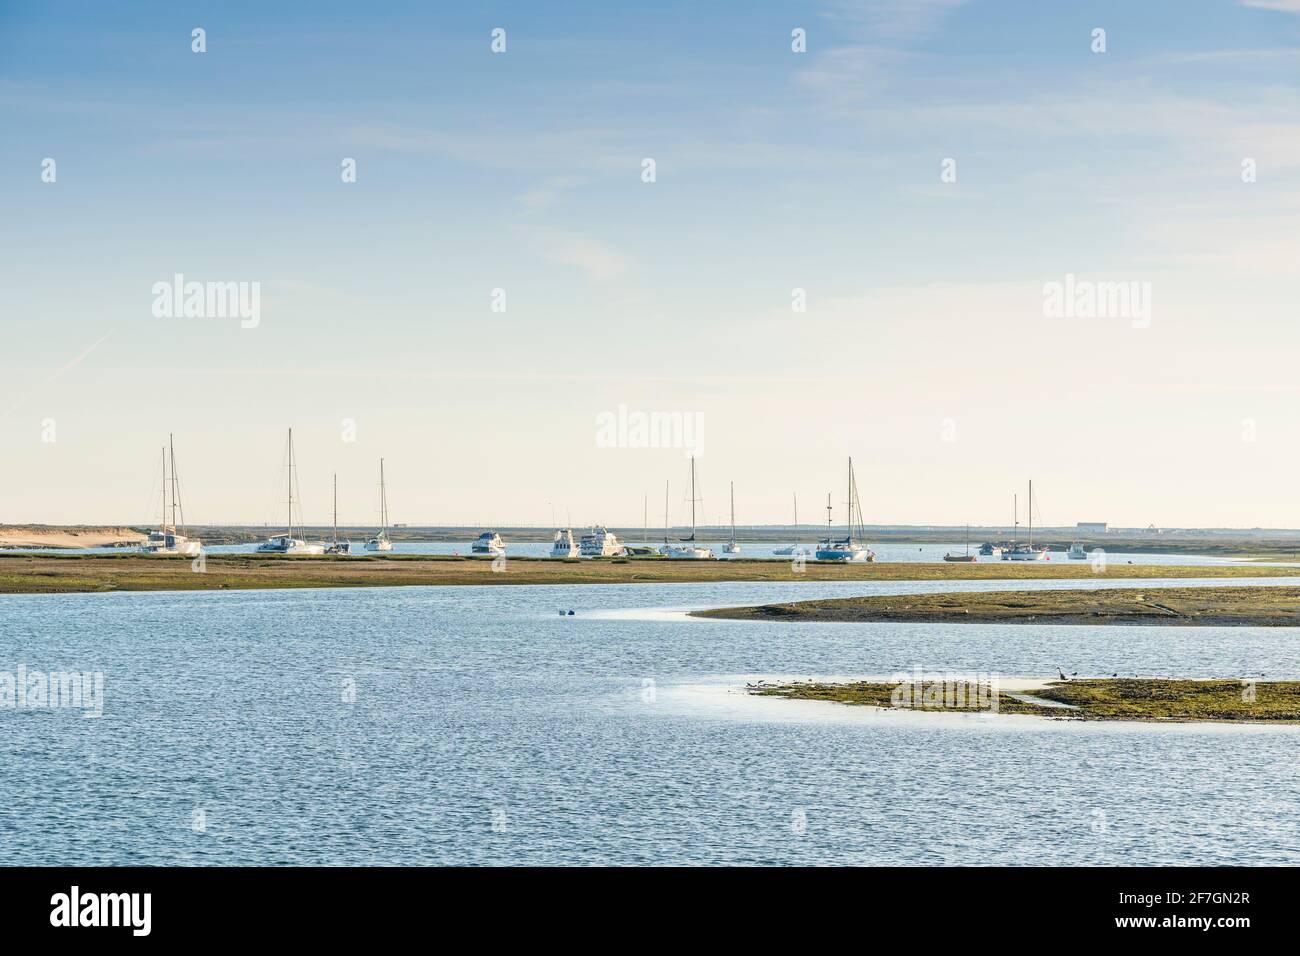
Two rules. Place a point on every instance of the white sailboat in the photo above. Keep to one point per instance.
(1026, 552)
(686, 549)
(336, 546)
(732, 547)
(167, 539)
(380, 541)
(845, 549)
(795, 549)
(564, 546)
(289, 543)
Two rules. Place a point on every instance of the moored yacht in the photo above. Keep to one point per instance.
(489, 542)
(796, 549)
(845, 549)
(600, 543)
(289, 543)
(380, 541)
(336, 546)
(167, 539)
(564, 546)
(732, 547)
(686, 549)
(1026, 552)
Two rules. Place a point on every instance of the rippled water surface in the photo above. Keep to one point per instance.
(488, 728)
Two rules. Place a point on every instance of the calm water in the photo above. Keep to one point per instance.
(487, 728)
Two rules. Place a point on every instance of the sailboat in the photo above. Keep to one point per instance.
(732, 547)
(336, 546)
(645, 550)
(686, 549)
(380, 541)
(967, 557)
(1026, 552)
(167, 539)
(845, 549)
(796, 548)
(288, 543)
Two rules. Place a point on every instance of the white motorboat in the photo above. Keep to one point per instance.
(290, 543)
(489, 542)
(1076, 552)
(600, 543)
(685, 549)
(564, 546)
(380, 541)
(168, 539)
(845, 550)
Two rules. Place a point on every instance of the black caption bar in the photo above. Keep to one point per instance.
(338, 905)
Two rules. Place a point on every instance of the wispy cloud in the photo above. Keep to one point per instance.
(891, 19)
(1288, 6)
(595, 258)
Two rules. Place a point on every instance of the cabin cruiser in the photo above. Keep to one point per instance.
(600, 543)
(1076, 552)
(686, 551)
(169, 541)
(287, 544)
(489, 542)
(563, 546)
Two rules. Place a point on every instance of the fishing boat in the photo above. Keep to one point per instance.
(967, 557)
(600, 543)
(380, 541)
(168, 538)
(336, 546)
(289, 543)
(845, 549)
(1076, 552)
(795, 549)
(1026, 552)
(564, 546)
(489, 542)
(732, 547)
(685, 549)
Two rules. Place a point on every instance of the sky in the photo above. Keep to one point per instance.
(924, 171)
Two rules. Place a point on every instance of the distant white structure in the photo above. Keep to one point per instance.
(1091, 527)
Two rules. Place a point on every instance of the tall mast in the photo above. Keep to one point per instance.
(828, 516)
(733, 512)
(336, 507)
(692, 497)
(848, 521)
(665, 512)
(1015, 517)
(164, 490)
(383, 499)
(290, 483)
(1031, 514)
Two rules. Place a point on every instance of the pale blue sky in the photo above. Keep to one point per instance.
(775, 170)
